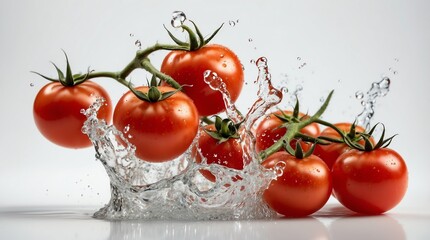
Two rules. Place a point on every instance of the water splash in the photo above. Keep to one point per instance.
(378, 89)
(176, 189)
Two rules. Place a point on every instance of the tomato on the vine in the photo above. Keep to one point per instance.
(57, 111)
(329, 153)
(270, 130)
(160, 130)
(188, 68)
(302, 187)
(227, 153)
(370, 182)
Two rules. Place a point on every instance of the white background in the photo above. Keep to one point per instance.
(341, 45)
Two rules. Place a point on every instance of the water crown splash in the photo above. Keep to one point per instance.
(176, 189)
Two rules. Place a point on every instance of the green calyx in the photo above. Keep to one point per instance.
(224, 129)
(299, 153)
(368, 145)
(196, 38)
(69, 79)
(153, 94)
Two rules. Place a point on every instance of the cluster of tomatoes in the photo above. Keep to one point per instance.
(162, 121)
(364, 176)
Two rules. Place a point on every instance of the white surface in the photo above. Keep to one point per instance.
(332, 222)
(346, 46)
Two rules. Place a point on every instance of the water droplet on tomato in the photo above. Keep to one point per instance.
(178, 19)
(126, 128)
(279, 168)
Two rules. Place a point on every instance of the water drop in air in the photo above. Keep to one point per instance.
(178, 19)
(138, 44)
(31, 84)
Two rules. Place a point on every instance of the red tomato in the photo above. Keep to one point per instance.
(370, 182)
(269, 131)
(188, 67)
(329, 153)
(228, 153)
(160, 131)
(57, 112)
(303, 188)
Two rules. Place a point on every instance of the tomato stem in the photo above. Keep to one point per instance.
(293, 129)
(141, 61)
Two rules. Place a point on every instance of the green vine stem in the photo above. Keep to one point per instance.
(141, 61)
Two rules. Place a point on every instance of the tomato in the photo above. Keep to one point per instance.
(57, 112)
(303, 186)
(161, 130)
(269, 131)
(370, 182)
(329, 153)
(188, 67)
(228, 153)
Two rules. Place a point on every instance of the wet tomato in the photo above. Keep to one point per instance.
(302, 187)
(370, 182)
(188, 68)
(227, 153)
(57, 112)
(269, 131)
(160, 131)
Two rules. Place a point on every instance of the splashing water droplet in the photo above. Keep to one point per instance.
(178, 19)
(138, 44)
(250, 40)
(359, 95)
(279, 168)
(131, 35)
(31, 84)
(302, 65)
(299, 58)
(378, 89)
(232, 23)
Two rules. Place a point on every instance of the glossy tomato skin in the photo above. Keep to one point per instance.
(370, 182)
(228, 153)
(329, 153)
(188, 67)
(269, 131)
(303, 188)
(160, 131)
(57, 112)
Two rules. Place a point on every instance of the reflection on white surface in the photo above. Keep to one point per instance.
(332, 222)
